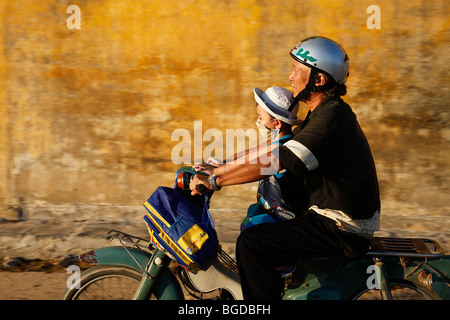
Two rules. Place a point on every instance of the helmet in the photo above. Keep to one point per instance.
(324, 55)
(276, 101)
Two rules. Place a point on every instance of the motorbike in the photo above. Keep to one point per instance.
(393, 268)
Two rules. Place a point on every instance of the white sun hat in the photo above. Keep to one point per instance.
(276, 101)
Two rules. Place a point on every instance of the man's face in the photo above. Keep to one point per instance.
(299, 77)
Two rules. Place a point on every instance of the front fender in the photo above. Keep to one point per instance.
(167, 285)
(116, 256)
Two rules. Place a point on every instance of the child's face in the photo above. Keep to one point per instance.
(264, 118)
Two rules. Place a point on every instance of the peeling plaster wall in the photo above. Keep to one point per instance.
(87, 114)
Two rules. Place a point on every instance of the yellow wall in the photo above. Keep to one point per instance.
(87, 114)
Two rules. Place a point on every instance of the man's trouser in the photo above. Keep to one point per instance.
(262, 248)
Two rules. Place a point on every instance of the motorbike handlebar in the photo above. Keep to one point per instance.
(201, 188)
(183, 180)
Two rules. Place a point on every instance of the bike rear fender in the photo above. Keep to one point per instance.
(432, 276)
(168, 287)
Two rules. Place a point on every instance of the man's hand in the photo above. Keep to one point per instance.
(198, 180)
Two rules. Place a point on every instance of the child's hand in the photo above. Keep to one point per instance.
(207, 168)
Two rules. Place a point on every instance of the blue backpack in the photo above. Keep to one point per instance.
(182, 228)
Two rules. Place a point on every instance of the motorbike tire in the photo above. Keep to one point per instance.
(105, 283)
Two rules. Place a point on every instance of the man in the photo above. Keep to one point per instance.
(330, 161)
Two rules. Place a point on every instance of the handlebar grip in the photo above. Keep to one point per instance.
(201, 188)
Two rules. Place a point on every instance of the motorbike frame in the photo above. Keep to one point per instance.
(314, 279)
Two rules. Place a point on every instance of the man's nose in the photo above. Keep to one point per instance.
(291, 76)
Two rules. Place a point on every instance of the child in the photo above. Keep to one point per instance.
(275, 124)
(274, 119)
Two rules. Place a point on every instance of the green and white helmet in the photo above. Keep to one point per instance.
(325, 55)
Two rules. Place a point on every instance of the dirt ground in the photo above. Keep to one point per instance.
(34, 285)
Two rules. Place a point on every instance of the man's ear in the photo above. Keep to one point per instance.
(321, 79)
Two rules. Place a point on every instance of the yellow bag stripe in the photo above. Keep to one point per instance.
(179, 252)
(173, 246)
(156, 213)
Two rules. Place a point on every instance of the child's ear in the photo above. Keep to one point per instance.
(279, 124)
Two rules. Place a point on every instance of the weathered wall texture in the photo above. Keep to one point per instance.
(86, 115)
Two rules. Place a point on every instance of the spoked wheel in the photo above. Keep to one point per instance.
(400, 291)
(105, 283)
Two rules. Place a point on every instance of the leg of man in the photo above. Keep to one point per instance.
(263, 247)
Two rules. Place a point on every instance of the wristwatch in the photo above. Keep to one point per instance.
(212, 181)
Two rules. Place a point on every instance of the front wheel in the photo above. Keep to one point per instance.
(105, 283)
